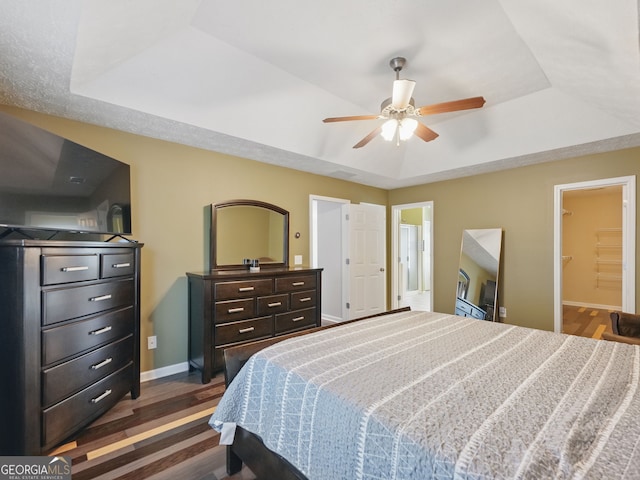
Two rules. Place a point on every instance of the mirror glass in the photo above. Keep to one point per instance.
(248, 229)
(477, 290)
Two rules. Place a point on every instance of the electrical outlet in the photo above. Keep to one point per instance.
(503, 312)
(152, 342)
(297, 259)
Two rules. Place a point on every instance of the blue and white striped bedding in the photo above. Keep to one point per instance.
(419, 395)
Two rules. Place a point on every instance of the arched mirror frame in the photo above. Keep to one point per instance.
(213, 243)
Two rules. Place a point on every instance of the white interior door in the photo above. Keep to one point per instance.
(365, 265)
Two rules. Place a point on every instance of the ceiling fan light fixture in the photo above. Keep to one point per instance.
(389, 129)
(407, 127)
(402, 91)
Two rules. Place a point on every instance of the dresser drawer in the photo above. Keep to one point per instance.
(289, 284)
(116, 265)
(287, 322)
(303, 299)
(273, 304)
(232, 310)
(68, 340)
(74, 302)
(69, 268)
(244, 331)
(242, 289)
(64, 418)
(67, 378)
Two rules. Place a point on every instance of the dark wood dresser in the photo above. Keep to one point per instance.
(70, 337)
(231, 307)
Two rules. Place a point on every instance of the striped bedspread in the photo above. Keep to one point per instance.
(419, 395)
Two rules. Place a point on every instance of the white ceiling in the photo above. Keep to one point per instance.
(255, 78)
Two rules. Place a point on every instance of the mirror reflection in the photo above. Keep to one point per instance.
(478, 269)
(248, 229)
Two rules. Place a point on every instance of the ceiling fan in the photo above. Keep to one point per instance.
(399, 112)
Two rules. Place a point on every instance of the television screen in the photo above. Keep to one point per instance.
(51, 183)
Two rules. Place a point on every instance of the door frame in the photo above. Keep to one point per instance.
(340, 244)
(395, 248)
(628, 184)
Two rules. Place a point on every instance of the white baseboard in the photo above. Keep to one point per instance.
(329, 320)
(164, 371)
(591, 305)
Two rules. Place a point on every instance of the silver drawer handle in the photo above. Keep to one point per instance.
(297, 284)
(297, 319)
(121, 265)
(101, 397)
(246, 330)
(102, 330)
(246, 289)
(275, 304)
(74, 269)
(236, 310)
(101, 364)
(305, 299)
(100, 298)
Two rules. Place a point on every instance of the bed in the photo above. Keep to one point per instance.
(419, 395)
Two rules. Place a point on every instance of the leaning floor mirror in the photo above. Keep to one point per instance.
(477, 291)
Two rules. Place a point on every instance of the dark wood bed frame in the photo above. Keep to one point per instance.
(248, 448)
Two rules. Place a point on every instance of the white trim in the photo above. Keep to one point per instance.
(164, 371)
(628, 243)
(592, 305)
(330, 319)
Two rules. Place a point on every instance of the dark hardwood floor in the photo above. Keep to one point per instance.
(162, 435)
(585, 321)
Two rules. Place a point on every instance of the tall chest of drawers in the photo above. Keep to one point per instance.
(231, 307)
(70, 337)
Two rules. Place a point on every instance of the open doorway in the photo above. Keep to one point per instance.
(327, 248)
(348, 241)
(411, 268)
(594, 254)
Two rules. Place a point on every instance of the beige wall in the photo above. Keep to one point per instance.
(171, 184)
(520, 201)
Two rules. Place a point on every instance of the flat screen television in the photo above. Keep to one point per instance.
(49, 183)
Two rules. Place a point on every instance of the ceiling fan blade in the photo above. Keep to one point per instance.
(402, 91)
(425, 133)
(348, 119)
(464, 104)
(368, 138)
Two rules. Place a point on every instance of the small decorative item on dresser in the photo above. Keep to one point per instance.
(254, 267)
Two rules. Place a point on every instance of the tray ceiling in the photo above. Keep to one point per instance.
(255, 79)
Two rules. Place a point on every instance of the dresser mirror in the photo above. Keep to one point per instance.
(477, 290)
(248, 229)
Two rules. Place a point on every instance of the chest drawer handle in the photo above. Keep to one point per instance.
(246, 330)
(101, 397)
(236, 310)
(101, 364)
(121, 265)
(274, 304)
(246, 289)
(100, 298)
(305, 299)
(297, 284)
(102, 330)
(297, 319)
(74, 269)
